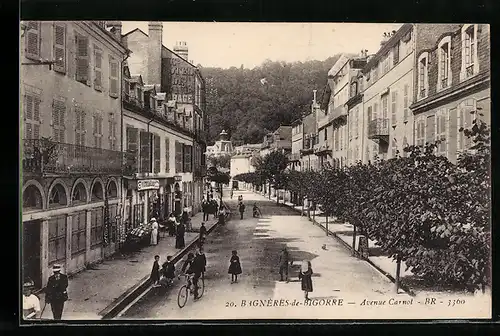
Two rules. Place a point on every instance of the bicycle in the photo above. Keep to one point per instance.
(188, 289)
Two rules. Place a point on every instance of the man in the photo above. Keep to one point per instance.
(242, 209)
(203, 233)
(232, 191)
(193, 266)
(204, 207)
(56, 292)
(203, 258)
(284, 260)
(31, 303)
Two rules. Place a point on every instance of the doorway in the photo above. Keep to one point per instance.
(31, 246)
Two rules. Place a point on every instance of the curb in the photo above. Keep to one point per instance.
(403, 287)
(143, 286)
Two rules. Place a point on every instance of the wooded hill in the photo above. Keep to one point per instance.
(248, 103)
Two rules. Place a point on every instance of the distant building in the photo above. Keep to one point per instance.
(241, 160)
(309, 160)
(297, 145)
(223, 146)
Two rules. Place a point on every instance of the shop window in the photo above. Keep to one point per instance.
(96, 233)
(32, 198)
(79, 233)
(57, 239)
(58, 196)
(79, 194)
(97, 192)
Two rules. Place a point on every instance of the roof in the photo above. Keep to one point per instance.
(343, 59)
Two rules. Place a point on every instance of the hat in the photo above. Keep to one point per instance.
(28, 284)
(152, 219)
(56, 268)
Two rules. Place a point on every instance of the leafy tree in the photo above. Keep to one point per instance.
(221, 161)
(220, 178)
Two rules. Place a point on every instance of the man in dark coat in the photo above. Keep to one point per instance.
(198, 268)
(242, 209)
(203, 234)
(56, 291)
(284, 261)
(204, 207)
(179, 239)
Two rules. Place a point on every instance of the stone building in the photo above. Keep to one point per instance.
(71, 142)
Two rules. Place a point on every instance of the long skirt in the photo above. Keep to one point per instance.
(306, 283)
(179, 241)
(154, 237)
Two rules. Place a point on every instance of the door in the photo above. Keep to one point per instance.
(31, 245)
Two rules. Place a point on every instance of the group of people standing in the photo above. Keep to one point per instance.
(305, 273)
(175, 227)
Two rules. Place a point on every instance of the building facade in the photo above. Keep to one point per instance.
(221, 147)
(71, 180)
(179, 121)
(452, 82)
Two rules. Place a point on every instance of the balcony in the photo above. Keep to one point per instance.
(44, 157)
(337, 113)
(378, 128)
(322, 149)
(292, 157)
(324, 121)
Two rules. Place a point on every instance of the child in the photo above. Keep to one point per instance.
(168, 269)
(155, 272)
(234, 267)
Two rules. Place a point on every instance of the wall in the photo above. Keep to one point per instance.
(137, 42)
(240, 165)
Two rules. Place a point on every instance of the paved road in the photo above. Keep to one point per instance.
(259, 294)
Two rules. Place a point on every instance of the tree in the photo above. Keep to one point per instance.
(220, 178)
(221, 161)
(272, 169)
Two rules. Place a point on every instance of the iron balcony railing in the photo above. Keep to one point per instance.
(294, 157)
(41, 156)
(378, 128)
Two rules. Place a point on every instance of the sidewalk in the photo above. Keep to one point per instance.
(91, 291)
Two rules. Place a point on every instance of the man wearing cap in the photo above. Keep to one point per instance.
(31, 303)
(56, 292)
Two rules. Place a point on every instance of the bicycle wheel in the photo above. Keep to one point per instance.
(182, 297)
(201, 287)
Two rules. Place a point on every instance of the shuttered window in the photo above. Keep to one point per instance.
(82, 59)
(394, 104)
(58, 120)
(405, 144)
(112, 133)
(31, 117)
(97, 68)
(57, 239)
(441, 131)
(430, 130)
(96, 232)
(132, 134)
(32, 42)
(375, 112)
(60, 47)
(420, 132)
(167, 155)
(78, 233)
(113, 77)
(466, 114)
(144, 154)
(405, 102)
(188, 155)
(80, 126)
(97, 130)
(156, 153)
(178, 157)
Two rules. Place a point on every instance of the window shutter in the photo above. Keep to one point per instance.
(375, 114)
(405, 102)
(82, 59)
(33, 40)
(453, 126)
(82, 127)
(430, 129)
(393, 107)
(132, 146)
(36, 109)
(36, 131)
(98, 69)
(113, 77)
(157, 159)
(29, 104)
(167, 155)
(144, 151)
(28, 131)
(60, 47)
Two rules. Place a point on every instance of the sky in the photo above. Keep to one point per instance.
(227, 44)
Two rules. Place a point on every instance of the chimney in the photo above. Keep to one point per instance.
(155, 32)
(181, 49)
(385, 38)
(116, 29)
(314, 99)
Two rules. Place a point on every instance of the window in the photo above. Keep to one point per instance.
(79, 233)
(470, 64)
(420, 132)
(32, 198)
(375, 108)
(356, 122)
(96, 223)
(144, 154)
(395, 54)
(394, 104)
(385, 106)
(351, 125)
(422, 75)
(444, 52)
(369, 114)
(385, 65)
(375, 73)
(354, 89)
(82, 59)
(178, 157)
(97, 68)
(58, 115)
(430, 129)
(132, 149)
(405, 144)
(31, 117)
(394, 148)
(441, 130)
(60, 47)
(336, 140)
(57, 239)
(113, 77)
(97, 122)
(156, 153)
(167, 155)
(466, 115)
(187, 154)
(405, 102)
(32, 42)
(326, 134)
(80, 127)
(112, 132)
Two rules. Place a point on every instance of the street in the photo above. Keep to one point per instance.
(339, 280)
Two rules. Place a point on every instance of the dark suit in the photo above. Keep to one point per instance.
(56, 294)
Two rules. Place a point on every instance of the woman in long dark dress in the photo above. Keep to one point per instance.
(234, 267)
(172, 223)
(222, 215)
(305, 277)
(179, 239)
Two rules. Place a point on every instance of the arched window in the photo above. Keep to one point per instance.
(79, 194)
(97, 192)
(112, 190)
(58, 196)
(32, 198)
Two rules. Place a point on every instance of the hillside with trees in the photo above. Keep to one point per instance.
(248, 103)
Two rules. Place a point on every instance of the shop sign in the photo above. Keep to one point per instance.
(177, 178)
(148, 184)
